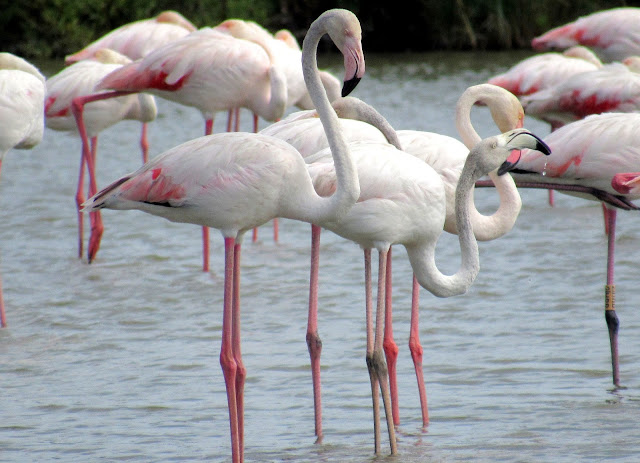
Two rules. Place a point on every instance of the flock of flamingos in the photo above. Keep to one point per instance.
(340, 166)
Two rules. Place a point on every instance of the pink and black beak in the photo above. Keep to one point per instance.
(353, 64)
(517, 140)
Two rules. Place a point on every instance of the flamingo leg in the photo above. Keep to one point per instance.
(208, 130)
(241, 371)
(144, 143)
(80, 198)
(610, 315)
(552, 201)
(227, 359)
(95, 218)
(77, 108)
(314, 343)
(389, 345)
(379, 364)
(369, 356)
(416, 349)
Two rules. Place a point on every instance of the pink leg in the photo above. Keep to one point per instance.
(241, 371)
(552, 201)
(208, 130)
(314, 343)
(227, 358)
(80, 198)
(379, 365)
(95, 218)
(610, 310)
(416, 349)
(77, 107)
(144, 143)
(389, 345)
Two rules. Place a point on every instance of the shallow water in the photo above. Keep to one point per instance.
(118, 360)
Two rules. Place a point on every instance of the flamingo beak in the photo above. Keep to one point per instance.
(525, 139)
(353, 64)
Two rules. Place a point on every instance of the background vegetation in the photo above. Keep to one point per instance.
(54, 28)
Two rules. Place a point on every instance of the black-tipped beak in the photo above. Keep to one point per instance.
(349, 85)
(510, 163)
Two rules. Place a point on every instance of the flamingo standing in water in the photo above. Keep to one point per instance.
(139, 38)
(22, 93)
(613, 34)
(597, 158)
(444, 154)
(211, 71)
(403, 201)
(75, 84)
(237, 181)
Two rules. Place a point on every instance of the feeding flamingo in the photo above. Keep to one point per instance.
(22, 93)
(76, 83)
(597, 158)
(613, 34)
(237, 181)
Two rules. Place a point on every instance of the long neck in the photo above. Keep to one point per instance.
(488, 227)
(348, 187)
(422, 257)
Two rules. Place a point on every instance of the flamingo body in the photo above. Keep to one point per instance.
(545, 70)
(612, 88)
(139, 38)
(208, 70)
(613, 34)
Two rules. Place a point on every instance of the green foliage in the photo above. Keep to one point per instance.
(55, 28)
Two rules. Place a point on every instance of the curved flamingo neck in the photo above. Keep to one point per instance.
(500, 222)
(348, 188)
(422, 257)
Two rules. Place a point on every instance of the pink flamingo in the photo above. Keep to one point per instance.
(237, 181)
(596, 158)
(612, 88)
(21, 112)
(139, 38)
(211, 71)
(403, 201)
(546, 70)
(613, 34)
(74, 84)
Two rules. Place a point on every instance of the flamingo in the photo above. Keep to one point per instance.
(237, 181)
(289, 57)
(447, 156)
(597, 158)
(139, 38)
(546, 70)
(75, 84)
(211, 71)
(403, 201)
(613, 34)
(612, 88)
(21, 112)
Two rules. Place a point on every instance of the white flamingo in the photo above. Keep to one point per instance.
(22, 93)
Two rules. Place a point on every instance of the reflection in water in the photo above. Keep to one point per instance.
(119, 359)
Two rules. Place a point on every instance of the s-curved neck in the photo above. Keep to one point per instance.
(348, 188)
(493, 226)
(422, 256)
